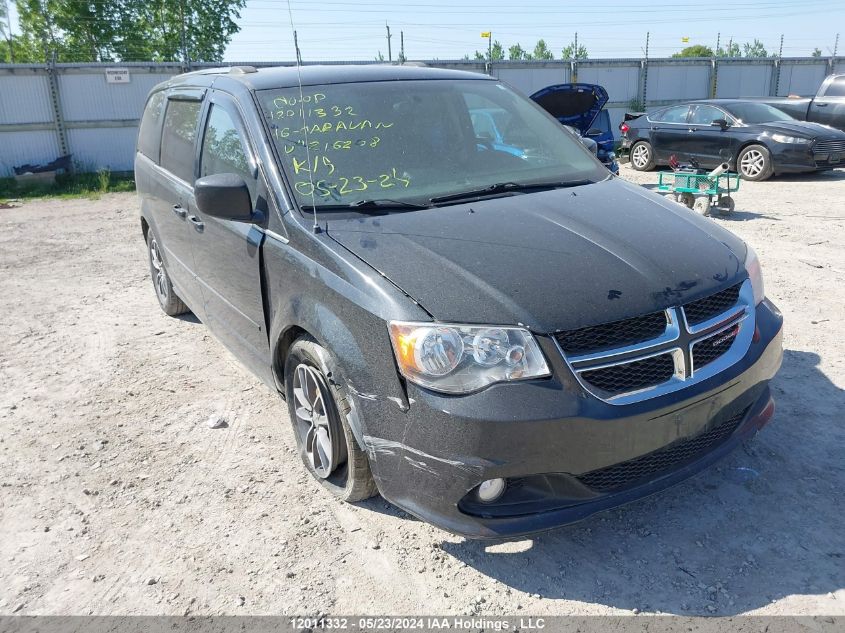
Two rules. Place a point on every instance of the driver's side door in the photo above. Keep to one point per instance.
(228, 252)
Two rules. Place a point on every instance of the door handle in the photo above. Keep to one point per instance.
(178, 210)
(199, 225)
(691, 130)
(821, 105)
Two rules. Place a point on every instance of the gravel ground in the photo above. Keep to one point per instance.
(117, 498)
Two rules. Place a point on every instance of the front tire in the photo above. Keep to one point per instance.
(170, 303)
(755, 163)
(642, 156)
(319, 408)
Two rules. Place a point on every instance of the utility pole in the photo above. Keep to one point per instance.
(715, 67)
(389, 52)
(402, 46)
(777, 67)
(183, 37)
(9, 32)
(296, 47)
(645, 71)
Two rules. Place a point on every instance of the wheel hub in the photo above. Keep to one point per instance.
(159, 275)
(312, 420)
(752, 163)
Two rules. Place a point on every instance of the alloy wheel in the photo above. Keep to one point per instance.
(752, 164)
(312, 419)
(160, 275)
(640, 156)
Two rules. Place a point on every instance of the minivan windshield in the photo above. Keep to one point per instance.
(751, 113)
(414, 141)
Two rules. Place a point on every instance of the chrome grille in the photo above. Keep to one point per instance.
(709, 349)
(709, 307)
(644, 357)
(629, 473)
(610, 335)
(627, 377)
(825, 147)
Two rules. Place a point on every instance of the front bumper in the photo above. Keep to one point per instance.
(428, 459)
(794, 158)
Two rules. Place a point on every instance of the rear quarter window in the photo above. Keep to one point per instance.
(179, 137)
(149, 136)
(836, 88)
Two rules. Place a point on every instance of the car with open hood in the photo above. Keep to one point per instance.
(497, 342)
(754, 138)
(580, 107)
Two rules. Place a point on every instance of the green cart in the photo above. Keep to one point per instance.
(700, 192)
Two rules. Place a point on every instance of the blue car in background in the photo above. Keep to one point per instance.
(581, 108)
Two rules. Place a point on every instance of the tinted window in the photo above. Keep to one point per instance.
(149, 135)
(705, 115)
(178, 137)
(836, 88)
(413, 140)
(678, 114)
(223, 149)
(750, 113)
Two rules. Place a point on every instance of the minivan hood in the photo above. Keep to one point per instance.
(577, 105)
(554, 260)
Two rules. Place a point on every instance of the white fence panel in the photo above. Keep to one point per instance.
(744, 80)
(529, 80)
(801, 79)
(621, 82)
(32, 147)
(25, 98)
(103, 148)
(675, 82)
(88, 97)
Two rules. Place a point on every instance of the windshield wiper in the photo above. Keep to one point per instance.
(380, 204)
(506, 187)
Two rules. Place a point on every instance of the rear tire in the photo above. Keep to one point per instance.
(170, 303)
(642, 156)
(319, 408)
(755, 163)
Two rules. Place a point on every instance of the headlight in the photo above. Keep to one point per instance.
(755, 274)
(782, 138)
(465, 358)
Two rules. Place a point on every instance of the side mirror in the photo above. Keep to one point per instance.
(594, 131)
(722, 123)
(223, 196)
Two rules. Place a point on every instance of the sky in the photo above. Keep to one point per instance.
(449, 29)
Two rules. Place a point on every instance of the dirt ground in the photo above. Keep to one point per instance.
(117, 498)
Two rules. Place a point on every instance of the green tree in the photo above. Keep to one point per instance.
(517, 52)
(26, 51)
(697, 50)
(731, 50)
(131, 30)
(498, 53)
(755, 49)
(541, 51)
(817, 52)
(569, 52)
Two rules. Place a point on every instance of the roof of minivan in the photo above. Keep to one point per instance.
(287, 76)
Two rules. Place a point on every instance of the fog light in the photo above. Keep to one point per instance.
(491, 490)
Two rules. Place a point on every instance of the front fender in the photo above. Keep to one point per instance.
(321, 289)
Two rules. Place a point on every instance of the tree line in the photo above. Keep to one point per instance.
(119, 30)
(497, 51)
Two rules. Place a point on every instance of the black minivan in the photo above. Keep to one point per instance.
(499, 338)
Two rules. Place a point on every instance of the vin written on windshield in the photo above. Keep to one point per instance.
(413, 140)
